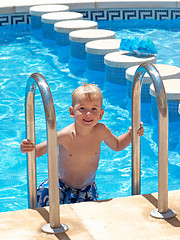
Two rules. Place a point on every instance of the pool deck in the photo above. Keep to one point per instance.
(126, 218)
(17, 6)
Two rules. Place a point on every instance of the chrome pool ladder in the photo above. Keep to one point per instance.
(162, 211)
(54, 208)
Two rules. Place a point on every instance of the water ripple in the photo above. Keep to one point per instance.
(20, 56)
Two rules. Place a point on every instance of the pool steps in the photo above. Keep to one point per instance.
(117, 63)
(166, 72)
(62, 31)
(78, 40)
(37, 11)
(172, 88)
(95, 52)
(118, 67)
(49, 19)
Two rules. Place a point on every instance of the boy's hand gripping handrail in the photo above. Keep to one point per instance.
(54, 212)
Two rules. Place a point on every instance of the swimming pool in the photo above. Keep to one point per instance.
(114, 173)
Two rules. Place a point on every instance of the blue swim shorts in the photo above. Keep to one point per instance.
(66, 194)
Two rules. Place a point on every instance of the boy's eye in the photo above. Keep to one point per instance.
(81, 108)
(94, 109)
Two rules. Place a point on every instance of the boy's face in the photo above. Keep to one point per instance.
(87, 112)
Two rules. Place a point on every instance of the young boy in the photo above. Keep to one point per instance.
(79, 148)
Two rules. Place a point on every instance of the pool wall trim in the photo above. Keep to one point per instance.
(17, 13)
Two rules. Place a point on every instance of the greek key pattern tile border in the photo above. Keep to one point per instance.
(130, 14)
(100, 15)
(13, 19)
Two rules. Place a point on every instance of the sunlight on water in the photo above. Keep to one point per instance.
(20, 56)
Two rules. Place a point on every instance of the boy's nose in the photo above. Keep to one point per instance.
(88, 112)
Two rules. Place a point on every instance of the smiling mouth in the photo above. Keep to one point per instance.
(88, 121)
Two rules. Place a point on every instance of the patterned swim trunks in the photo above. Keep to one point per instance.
(66, 194)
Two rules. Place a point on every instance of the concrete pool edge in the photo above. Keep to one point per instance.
(118, 218)
(20, 6)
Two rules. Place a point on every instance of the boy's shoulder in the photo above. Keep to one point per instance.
(100, 128)
(66, 130)
(101, 131)
(65, 134)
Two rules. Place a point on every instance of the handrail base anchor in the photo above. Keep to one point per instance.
(48, 229)
(169, 214)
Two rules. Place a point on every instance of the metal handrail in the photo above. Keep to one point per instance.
(54, 210)
(162, 211)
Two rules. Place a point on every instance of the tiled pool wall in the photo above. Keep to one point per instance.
(101, 15)
(172, 109)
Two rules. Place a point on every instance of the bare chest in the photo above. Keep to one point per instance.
(83, 148)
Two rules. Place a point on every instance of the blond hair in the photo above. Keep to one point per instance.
(88, 90)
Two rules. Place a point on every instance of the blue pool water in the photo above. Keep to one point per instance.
(20, 56)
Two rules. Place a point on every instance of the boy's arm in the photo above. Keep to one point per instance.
(117, 143)
(27, 146)
(121, 142)
(41, 149)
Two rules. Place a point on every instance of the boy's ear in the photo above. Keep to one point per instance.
(101, 114)
(71, 111)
